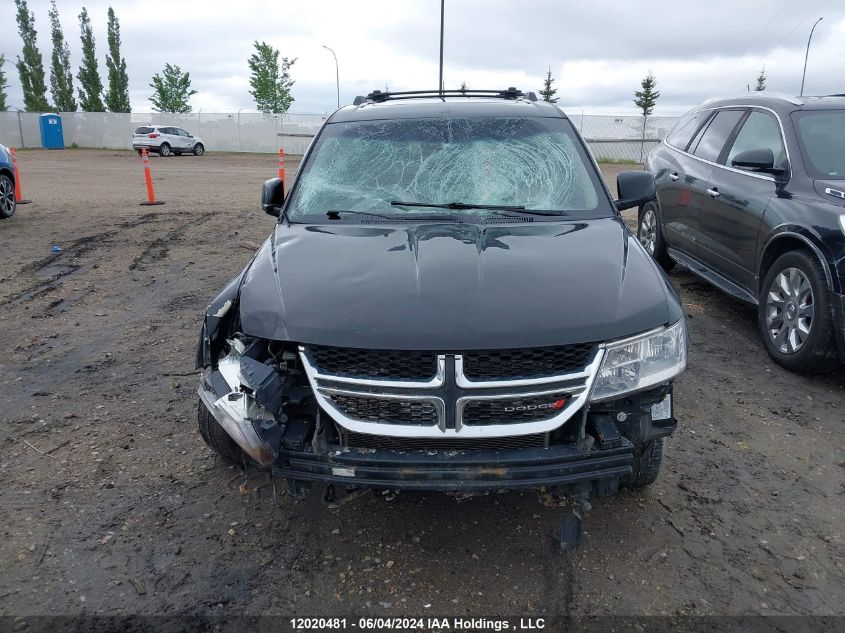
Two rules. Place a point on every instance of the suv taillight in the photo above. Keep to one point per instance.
(154, 135)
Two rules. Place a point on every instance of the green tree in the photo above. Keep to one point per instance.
(61, 77)
(117, 96)
(3, 84)
(761, 81)
(172, 90)
(646, 98)
(31, 66)
(270, 81)
(548, 93)
(91, 86)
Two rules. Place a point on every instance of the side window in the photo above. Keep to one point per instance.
(182, 132)
(760, 131)
(168, 130)
(718, 130)
(682, 133)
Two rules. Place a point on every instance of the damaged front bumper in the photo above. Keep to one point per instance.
(461, 470)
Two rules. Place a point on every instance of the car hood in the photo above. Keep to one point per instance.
(454, 286)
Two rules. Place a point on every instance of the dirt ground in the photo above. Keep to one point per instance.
(112, 504)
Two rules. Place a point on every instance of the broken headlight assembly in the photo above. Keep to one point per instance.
(643, 361)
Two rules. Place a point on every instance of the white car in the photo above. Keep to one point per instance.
(166, 141)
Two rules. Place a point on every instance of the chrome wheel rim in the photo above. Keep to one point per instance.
(648, 231)
(790, 310)
(198, 150)
(7, 197)
(164, 151)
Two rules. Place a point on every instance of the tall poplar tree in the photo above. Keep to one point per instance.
(91, 86)
(31, 65)
(117, 96)
(61, 77)
(3, 84)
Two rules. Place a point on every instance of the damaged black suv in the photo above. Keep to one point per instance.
(448, 301)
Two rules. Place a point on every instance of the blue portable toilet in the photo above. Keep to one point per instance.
(51, 131)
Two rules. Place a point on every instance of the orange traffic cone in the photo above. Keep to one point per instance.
(151, 194)
(18, 195)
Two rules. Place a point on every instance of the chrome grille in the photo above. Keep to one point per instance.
(373, 364)
(532, 362)
(514, 411)
(362, 440)
(444, 403)
(386, 411)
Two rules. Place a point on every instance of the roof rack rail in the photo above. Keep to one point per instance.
(378, 96)
(746, 95)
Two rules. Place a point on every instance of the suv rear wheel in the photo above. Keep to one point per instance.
(795, 316)
(164, 150)
(651, 236)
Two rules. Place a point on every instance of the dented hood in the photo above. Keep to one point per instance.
(454, 286)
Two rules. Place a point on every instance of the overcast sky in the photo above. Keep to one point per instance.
(598, 50)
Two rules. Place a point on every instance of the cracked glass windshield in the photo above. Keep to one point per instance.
(363, 166)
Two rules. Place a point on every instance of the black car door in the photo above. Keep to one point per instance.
(676, 174)
(732, 211)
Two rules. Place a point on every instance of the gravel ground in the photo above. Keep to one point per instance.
(112, 504)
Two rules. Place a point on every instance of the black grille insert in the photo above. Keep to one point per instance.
(408, 412)
(362, 440)
(516, 411)
(532, 362)
(373, 364)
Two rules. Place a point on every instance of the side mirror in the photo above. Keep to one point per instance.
(756, 160)
(273, 196)
(634, 188)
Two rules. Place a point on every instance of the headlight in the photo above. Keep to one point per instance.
(642, 361)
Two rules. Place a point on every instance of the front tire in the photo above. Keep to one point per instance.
(795, 315)
(650, 235)
(199, 149)
(8, 203)
(647, 462)
(164, 150)
(217, 439)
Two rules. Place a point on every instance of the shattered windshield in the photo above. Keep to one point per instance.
(531, 162)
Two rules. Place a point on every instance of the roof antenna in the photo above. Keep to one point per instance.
(442, 10)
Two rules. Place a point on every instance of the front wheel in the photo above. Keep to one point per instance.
(795, 316)
(646, 465)
(8, 204)
(650, 235)
(164, 150)
(199, 150)
(217, 439)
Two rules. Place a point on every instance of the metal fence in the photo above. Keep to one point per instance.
(615, 138)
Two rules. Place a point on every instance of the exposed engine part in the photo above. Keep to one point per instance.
(247, 398)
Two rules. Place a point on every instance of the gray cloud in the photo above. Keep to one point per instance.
(599, 50)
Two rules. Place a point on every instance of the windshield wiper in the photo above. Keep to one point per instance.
(492, 207)
(335, 214)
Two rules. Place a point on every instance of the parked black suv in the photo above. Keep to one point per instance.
(751, 197)
(449, 301)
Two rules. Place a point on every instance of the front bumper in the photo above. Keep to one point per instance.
(461, 470)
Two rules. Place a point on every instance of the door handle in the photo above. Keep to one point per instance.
(714, 193)
(674, 177)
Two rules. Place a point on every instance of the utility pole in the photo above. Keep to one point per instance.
(442, 12)
(336, 74)
(807, 54)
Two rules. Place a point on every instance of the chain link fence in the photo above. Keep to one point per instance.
(611, 138)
